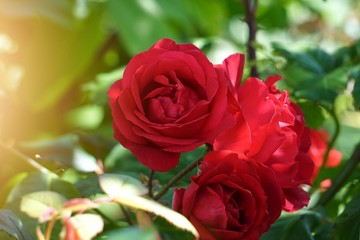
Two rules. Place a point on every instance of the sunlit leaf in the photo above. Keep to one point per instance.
(117, 184)
(86, 225)
(37, 203)
(148, 205)
(11, 227)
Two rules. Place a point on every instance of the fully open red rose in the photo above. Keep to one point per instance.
(170, 100)
(270, 129)
(231, 198)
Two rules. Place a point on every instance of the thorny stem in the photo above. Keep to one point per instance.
(345, 172)
(150, 183)
(176, 178)
(250, 19)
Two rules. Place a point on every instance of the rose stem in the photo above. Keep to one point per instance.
(127, 215)
(250, 19)
(150, 183)
(345, 172)
(176, 178)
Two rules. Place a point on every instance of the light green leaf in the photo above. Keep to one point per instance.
(117, 184)
(35, 204)
(148, 205)
(86, 225)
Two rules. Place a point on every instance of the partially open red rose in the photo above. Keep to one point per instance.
(270, 129)
(231, 198)
(317, 151)
(170, 100)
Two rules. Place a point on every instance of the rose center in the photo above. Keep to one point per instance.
(170, 100)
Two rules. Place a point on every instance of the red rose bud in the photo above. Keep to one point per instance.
(231, 198)
(170, 100)
(269, 129)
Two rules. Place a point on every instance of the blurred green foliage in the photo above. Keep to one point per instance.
(58, 58)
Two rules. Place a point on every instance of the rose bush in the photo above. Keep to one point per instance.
(270, 129)
(231, 198)
(170, 100)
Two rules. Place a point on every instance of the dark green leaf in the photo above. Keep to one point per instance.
(169, 232)
(313, 114)
(129, 233)
(325, 60)
(276, 12)
(347, 225)
(298, 227)
(11, 227)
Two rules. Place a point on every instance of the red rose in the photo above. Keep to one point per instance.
(170, 100)
(231, 198)
(270, 129)
(317, 151)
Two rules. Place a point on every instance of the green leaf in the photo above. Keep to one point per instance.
(303, 60)
(140, 32)
(313, 114)
(37, 203)
(325, 60)
(11, 227)
(298, 227)
(36, 182)
(169, 232)
(347, 225)
(175, 218)
(276, 12)
(86, 225)
(98, 88)
(117, 184)
(129, 233)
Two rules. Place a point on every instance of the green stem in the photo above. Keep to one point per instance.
(150, 184)
(345, 172)
(176, 178)
(127, 215)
